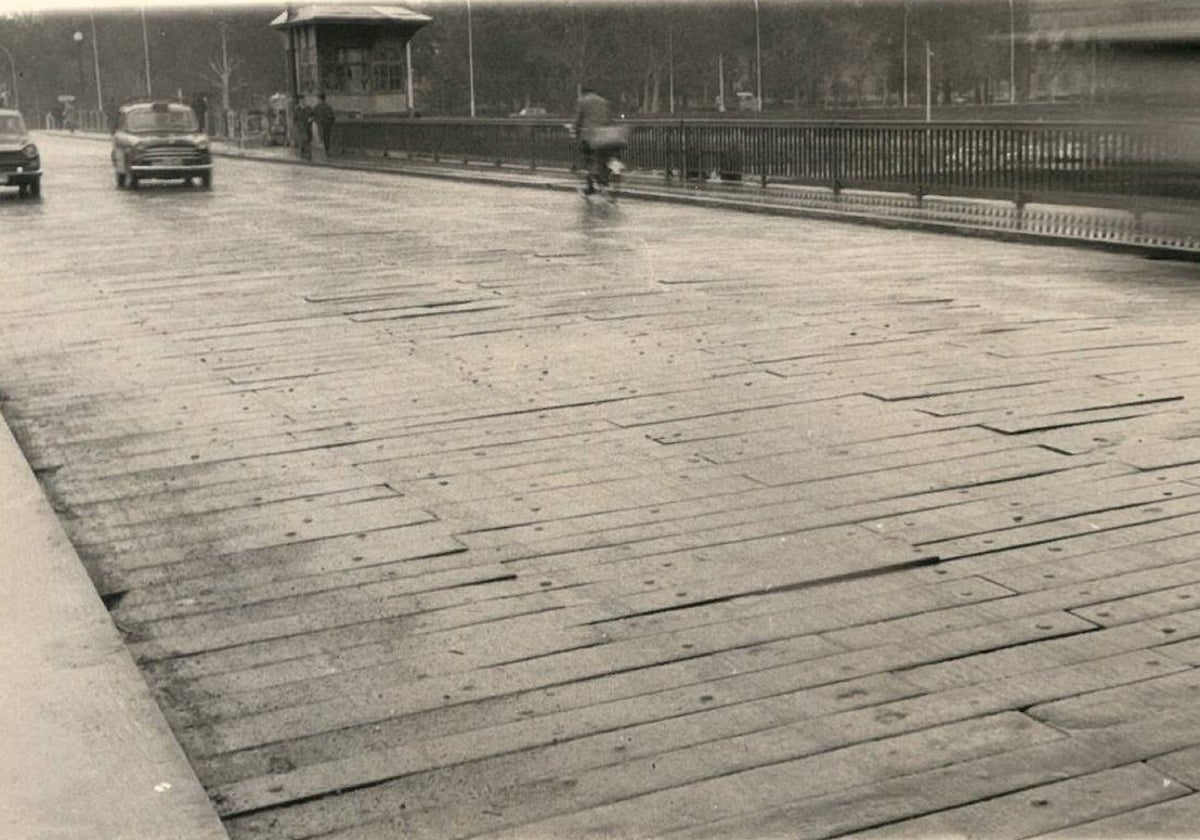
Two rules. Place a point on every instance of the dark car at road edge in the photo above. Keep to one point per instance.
(20, 161)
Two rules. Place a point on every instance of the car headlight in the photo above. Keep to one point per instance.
(202, 145)
(30, 151)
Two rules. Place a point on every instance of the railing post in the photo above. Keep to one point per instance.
(922, 163)
(836, 163)
(764, 133)
(683, 142)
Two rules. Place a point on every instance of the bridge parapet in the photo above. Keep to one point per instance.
(1118, 164)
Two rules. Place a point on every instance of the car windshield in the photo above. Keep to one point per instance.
(11, 125)
(173, 120)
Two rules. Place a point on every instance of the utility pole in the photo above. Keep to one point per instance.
(408, 72)
(928, 84)
(1012, 53)
(470, 58)
(96, 62)
(146, 52)
(721, 82)
(906, 54)
(758, 54)
(671, 67)
(226, 70)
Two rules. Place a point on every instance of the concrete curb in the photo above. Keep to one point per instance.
(86, 752)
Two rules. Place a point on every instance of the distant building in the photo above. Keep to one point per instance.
(355, 55)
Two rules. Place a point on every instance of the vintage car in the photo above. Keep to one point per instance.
(20, 164)
(159, 141)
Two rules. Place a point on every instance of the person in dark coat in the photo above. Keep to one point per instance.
(324, 117)
(200, 106)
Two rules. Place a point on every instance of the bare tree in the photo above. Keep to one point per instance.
(223, 71)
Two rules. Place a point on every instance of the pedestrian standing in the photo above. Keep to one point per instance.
(302, 117)
(200, 106)
(324, 117)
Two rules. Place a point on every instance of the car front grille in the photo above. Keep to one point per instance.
(172, 156)
(10, 161)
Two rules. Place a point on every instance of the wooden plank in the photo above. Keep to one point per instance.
(1163, 602)
(855, 718)
(1042, 809)
(1078, 648)
(1035, 532)
(1117, 705)
(166, 529)
(941, 788)
(574, 741)
(1069, 596)
(325, 705)
(1041, 566)
(810, 466)
(259, 530)
(1176, 818)
(645, 797)
(1181, 765)
(732, 786)
(431, 543)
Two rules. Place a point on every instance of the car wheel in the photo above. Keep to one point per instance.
(132, 181)
(206, 180)
(22, 190)
(120, 180)
(35, 188)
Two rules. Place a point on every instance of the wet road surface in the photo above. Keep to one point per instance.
(443, 510)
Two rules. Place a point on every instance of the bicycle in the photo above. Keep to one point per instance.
(603, 147)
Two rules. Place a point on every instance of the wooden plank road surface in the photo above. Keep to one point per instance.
(443, 510)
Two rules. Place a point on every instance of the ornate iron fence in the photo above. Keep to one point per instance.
(1106, 163)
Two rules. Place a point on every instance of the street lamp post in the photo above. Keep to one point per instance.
(906, 54)
(96, 61)
(412, 110)
(12, 64)
(928, 83)
(1012, 53)
(78, 39)
(146, 53)
(721, 82)
(471, 58)
(758, 54)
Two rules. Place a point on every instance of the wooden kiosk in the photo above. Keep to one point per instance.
(359, 56)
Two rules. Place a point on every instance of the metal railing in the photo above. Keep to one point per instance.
(1105, 163)
(77, 120)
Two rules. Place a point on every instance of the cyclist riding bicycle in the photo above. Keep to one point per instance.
(599, 138)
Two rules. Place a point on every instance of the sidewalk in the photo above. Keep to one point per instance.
(87, 755)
